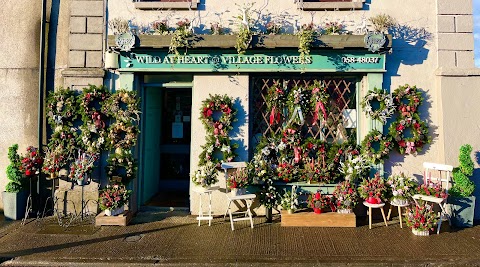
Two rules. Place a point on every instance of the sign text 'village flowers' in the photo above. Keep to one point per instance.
(217, 61)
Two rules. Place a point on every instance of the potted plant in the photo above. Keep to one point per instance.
(318, 202)
(53, 161)
(421, 218)
(345, 197)
(400, 188)
(289, 200)
(82, 167)
(15, 196)
(31, 162)
(461, 199)
(237, 181)
(206, 176)
(113, 199)
(373, 190)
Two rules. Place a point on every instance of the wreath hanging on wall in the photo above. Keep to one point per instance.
(218, 104)
(419, 134)
(275, 101)
(385, 143)
(318, 101)
(122, 135)
(387, 106)
(123, 105)
(122, 164)
(61, 108)
(408, 99)
(298, 105)
(93, 131)
(218, 127)
(65, 138)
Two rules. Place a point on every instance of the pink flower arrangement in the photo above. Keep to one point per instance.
(373, 188)
(32, 161)
(114, 196)
(432, 189)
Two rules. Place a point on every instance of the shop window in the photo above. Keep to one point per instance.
(166, 4)
(330, 4)
(342, 102)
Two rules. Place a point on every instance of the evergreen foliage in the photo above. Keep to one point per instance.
(462, 185)
(14, 174)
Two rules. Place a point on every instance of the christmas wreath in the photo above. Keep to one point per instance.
(298, 105)
(216, 146)
(123, 105)
(419, 134)
(93, 133)
(319, 101)
(122, 164)
(218, 103)
(122, 135)
(275, 101)
(408, 99)
(385, 145)
(92, 139)
(387, 107)
(61, 107)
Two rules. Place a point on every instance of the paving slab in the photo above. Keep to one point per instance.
(171, 238)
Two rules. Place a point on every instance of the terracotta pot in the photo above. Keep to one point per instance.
(317, 210)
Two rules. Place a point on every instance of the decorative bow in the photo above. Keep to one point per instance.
(97, 120)
(410, 147)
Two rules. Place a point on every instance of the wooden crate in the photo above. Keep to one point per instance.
(120, 220)
(326, 219)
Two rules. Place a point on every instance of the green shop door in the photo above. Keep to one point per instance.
(166, 147)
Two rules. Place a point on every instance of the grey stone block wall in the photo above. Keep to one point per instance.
(455, 34)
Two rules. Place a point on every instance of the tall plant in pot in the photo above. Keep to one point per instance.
(15, 194)
(460, 195)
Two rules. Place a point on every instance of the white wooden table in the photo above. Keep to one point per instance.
(399, 206)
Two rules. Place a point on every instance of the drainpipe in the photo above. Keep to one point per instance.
(41, 83)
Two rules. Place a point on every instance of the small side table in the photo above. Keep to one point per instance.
(399, 206)
(374, 206)
(201, 192)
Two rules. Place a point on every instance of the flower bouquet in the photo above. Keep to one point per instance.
(318, 202)
(237, 181)
(206, 175)
(32, 162)
(354, 167)
(421, 218)
(289, 200)
(113, 199)
(345, 197)
(432, 189)
(400, 187)
(373, 190)
(54, 160)
(269, 196)
(82, 166)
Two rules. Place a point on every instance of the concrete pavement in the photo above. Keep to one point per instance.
(172, 238)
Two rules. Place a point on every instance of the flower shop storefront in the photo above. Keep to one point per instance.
(174, 89)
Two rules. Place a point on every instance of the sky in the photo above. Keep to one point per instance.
(476, 30)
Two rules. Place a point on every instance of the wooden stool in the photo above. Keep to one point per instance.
(374, 206)
(205, 191)
(399, 206)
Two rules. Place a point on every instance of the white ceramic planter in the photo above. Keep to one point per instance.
(420, 232)
(115, 212)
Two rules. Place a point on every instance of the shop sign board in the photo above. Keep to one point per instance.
(325, 61)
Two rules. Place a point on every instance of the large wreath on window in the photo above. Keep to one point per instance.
(298, 105)
(419, 132)
(319, 101)
(61, 107)
(213, 104)
(385, 143)
(122, 135)
(387, 106)
(123, 105)
(408, 99)
(122, 164)
(275, 101)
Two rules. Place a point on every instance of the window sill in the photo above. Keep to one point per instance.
(355, 4)
(169, 5)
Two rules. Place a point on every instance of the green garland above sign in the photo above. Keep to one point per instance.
(230, 61)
